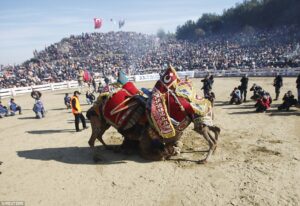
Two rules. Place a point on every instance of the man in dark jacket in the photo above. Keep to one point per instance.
(244, 86)
(207, 85)
(288, 101)
(277, 84)
(257, 92)
(298, 87)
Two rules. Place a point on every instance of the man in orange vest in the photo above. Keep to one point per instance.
(76, 110)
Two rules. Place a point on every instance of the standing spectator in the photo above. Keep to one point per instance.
(211, 80)
(206, 86)
(80, 77)
(14, 107)
(277, 84)
(100, 87)
(298, 87)
(106, 80)
(244, 86)
(94, 85)
(77, 112)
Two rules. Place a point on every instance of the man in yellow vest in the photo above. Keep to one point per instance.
(76, 110)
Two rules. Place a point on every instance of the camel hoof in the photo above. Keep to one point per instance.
(91, 144)
(177, 151)
(202, 161)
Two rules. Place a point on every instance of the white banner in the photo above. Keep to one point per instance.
(182, 74)
(146, 77)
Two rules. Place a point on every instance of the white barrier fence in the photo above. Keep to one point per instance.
(267, 72)
(155, 76)
(53, 86)
(146, 77)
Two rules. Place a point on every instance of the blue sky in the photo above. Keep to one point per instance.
(26, 25)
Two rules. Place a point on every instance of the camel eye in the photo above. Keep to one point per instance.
(167, 79)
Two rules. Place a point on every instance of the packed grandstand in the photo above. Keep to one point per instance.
(135, 53)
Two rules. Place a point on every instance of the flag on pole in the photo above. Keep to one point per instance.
(121, 23)
(97, 23)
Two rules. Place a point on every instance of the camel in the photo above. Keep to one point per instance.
(154, 123)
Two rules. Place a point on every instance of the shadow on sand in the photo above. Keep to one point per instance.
(51, 131)
(285, 113)
(60, 109)
(72, 121)
(80, 155)
(221, 103)
(242, 107)
(25, 118)
(245, 112)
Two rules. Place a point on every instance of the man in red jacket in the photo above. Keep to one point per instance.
(263, 103)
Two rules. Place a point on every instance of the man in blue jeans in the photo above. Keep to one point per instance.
(14, 107)
(3, 110)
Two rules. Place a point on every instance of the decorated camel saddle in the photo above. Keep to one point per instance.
(120, 105)
(174, 104)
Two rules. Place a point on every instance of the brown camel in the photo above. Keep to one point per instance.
(156, 132)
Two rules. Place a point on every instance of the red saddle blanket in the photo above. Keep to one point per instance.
(120, 105)
(167, 106)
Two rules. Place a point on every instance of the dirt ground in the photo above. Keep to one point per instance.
(257, 162)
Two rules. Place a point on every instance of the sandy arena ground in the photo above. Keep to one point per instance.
(257, 162)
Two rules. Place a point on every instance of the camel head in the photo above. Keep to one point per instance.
(168, 80)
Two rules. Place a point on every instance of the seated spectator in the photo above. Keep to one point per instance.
(89, 97)
(67, 101)
(236, 97)
(257, 92)
(14, 107)
(264, 103)
(288, 101)
(39, 109)
(3, 110)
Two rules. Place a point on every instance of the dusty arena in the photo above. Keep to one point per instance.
(257, 162)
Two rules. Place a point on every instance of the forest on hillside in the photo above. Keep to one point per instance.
(247, 16)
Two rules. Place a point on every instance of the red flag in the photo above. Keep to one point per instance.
(97, 23)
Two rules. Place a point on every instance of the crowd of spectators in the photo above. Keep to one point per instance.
(104, 53)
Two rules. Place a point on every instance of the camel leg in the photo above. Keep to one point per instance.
(98, 129)
(214, 140)
(211, 141)
(216, 130)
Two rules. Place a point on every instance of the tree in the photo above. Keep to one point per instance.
(161, 34)
(199, 33)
